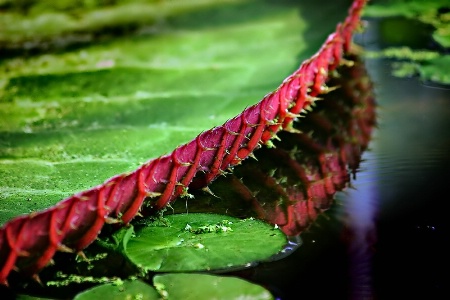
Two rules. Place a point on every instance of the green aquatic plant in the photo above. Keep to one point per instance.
(429, 65)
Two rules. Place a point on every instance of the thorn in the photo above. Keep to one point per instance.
(37, 279)
(291, 129)
(276, 137)
(109, 220)
(312, 99)
(153, 194)
(251, 155)
(23, 253)
(335, 74)
(83, 256)
(270, 144)
(281, 180)
(255, 193)
(292, 115)
(328, 89)
(236, 161)
(208, 190)
(347, 63)
(222, 172)
(64, 248)
(271, 173)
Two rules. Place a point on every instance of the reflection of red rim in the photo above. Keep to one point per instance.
(291, 184)
(27, 243)
(294, 182)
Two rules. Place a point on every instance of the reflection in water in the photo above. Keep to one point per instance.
(293, 183)
(410, 171)
(290, 184)
(360, 211)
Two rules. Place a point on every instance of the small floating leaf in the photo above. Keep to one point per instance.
(442, 35)
(436, 70)
(434, 13)
(410, 9)
(203, 286)
(196, 242)
(134, 289)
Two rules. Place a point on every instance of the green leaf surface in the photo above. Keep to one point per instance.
(205, 287)
(436, 70)
(73, 119)
(406, 8)
(178, 286)
(442, 35)
(200, 242)
(129, 289)
(435, 13)
(27, 23)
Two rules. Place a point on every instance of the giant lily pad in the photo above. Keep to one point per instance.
(437, 70)
(71, 120)
(203, 242)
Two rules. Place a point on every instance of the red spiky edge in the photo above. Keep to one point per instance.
(28, 243)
